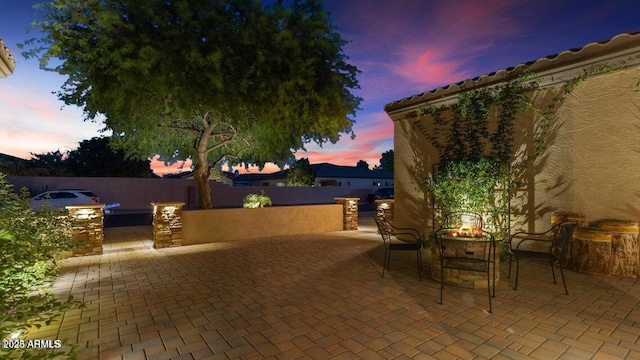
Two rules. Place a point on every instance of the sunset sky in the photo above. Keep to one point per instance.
(402, 47)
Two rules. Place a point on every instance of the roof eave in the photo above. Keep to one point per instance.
(621, 51)
(7, 63)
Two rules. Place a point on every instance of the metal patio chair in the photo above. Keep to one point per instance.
(550, 245)
(388, 231)
(475, 253)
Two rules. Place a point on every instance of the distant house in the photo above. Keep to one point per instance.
(326, 175)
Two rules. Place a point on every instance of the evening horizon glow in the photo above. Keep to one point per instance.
(402, 47)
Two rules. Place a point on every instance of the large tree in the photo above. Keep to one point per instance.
(210, 80)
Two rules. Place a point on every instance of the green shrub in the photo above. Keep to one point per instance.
(30, 254)
(253, 201)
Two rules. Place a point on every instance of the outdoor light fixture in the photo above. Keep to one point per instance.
(85, 211)
(467, 227)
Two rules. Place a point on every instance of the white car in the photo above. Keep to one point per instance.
(58, 199)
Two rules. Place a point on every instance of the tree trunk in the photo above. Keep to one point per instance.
(201, 175)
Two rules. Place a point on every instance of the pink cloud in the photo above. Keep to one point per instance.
(33, 122)
(429, 67)
(473, 21)
(427, 44)
(160, 168)
(374, 135)
(375, 128)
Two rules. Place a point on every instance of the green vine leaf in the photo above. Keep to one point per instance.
(479, 170)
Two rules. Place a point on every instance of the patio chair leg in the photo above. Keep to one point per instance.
(566, 292)
(489, 290)
(553, 272)
(509, 273)
(494, 272)
(419, 259)
(515, 287)
(441, 280)
(387, 254)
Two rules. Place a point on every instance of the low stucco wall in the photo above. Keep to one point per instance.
(206, 226)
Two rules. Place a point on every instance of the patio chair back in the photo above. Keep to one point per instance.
(462, 254)
(550, 245)
(410, 239)
(458, 218)
(561, 238)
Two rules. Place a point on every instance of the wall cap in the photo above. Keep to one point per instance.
(176, 203)
(87, 206)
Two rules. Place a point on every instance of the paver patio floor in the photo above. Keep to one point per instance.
(322, 297)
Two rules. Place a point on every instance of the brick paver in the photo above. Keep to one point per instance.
(322, 297)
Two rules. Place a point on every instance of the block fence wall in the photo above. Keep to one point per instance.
(137, 194)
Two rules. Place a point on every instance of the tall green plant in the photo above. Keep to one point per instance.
(470, 185)
(30, 246)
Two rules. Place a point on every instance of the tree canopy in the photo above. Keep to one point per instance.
(92, 158)
(49, 164)
(210, 80)
(300, 174)
(95, 157)
(386, 161)
(362, 164)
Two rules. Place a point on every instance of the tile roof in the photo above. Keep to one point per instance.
(618, 43)
(7, 62)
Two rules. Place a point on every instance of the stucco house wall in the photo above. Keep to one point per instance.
(592, 164)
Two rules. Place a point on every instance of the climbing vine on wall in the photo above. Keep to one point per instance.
(466, 130)
(478, 165)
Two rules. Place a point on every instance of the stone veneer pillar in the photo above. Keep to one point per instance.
(592, 254)
(625, 249)
(349, 212)
(385, 207)
(87, 227)
(167, 224)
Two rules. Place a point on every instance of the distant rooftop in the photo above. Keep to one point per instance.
(324, 170)
(321, 170)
